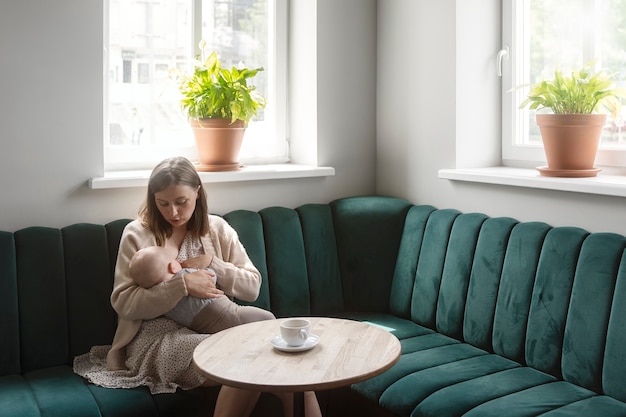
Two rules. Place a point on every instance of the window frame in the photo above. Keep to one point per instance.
(515, 15)
(117, 158)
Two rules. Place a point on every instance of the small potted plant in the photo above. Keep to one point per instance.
(219, 103)
(572, 131)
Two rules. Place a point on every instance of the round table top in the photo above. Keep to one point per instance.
(347, 352)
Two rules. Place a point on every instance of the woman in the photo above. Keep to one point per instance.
(148, 349)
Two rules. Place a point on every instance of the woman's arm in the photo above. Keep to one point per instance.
(236, 274)
(131, 301)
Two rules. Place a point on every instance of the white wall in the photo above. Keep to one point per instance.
(445, 116)
(389, 116)
(51, 115)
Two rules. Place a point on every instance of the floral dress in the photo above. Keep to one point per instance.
(160, 355)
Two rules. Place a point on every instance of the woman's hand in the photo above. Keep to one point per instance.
(199, 262)
(201, 284)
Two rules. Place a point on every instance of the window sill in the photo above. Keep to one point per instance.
(129, 179)
(602, 184)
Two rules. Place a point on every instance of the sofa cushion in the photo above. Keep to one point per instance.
(90, 320)
(614, 365)
(482, 294)
(9, 317)
(589, 309)
(114, 230)
(532, 401)
(441, 370)
(59, 392)
(457, 399)
(437, 350)
(286, 262)
(516, 289)
(42, 294)
(322, 261)
(430, 262)
(456, 274)
(126, 402)
(16, 398)
(406, 263)
(249, 227)
(368, 232)
(401, 328)
(590, 407)
(550, 299)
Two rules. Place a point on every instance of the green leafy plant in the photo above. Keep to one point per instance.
(584, 92)
(213, 92)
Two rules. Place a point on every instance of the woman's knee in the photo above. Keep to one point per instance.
(249, 314)
(268, 315)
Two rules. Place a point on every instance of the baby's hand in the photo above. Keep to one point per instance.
(201, 284)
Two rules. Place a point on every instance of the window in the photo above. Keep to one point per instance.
(541, 35)
(144, 39)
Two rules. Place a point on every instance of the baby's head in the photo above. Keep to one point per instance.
(152, 265)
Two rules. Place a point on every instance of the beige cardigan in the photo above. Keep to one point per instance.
(238, 278)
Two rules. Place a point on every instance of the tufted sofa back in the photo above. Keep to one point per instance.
(549, 297)
(324, 259)
(54, 293)
(55, 284)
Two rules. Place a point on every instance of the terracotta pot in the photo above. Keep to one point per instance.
(218, 142)
(570, 142)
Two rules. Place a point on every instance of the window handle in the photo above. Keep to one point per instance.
(502, 54)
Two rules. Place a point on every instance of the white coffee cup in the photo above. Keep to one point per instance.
(295, 331)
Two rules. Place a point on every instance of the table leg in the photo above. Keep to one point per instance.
(298, 404)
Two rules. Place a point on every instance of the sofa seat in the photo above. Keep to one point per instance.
(58, 391)
(600, 405)
(16, 397)
(440, 376)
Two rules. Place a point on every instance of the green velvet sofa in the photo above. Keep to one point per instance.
(496, 317)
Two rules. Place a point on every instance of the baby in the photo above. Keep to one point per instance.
(153, 265)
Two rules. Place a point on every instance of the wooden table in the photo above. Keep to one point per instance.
(348, 352)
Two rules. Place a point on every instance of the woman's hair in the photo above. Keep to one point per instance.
(174, 171)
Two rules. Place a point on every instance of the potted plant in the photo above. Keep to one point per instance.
(572, 131)
(219, 103)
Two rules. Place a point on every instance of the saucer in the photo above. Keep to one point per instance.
(212, 168)
(280, 344)
(570, 173)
